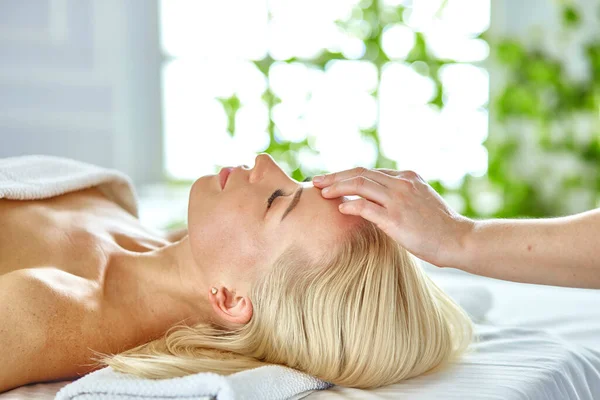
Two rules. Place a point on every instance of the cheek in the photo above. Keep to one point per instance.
(225, 235)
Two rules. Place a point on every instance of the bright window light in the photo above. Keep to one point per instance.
(210, 48)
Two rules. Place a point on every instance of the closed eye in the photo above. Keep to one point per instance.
(279, 192)
(275, 195)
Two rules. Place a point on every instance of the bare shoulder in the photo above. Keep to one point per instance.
(21, 336)
(18, 293)
(40, 326)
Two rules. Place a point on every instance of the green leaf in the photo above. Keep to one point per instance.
(543, 72)
(325, 57)
(231, 105)
(510, 52)
(570, 16)
(517, 100)
(264, 64)
(419, 50)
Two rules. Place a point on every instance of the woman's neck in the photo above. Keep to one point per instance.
(153, 291)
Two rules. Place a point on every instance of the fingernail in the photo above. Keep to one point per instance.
(325, 190)
(318, 178)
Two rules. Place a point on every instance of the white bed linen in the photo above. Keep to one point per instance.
(536, 342)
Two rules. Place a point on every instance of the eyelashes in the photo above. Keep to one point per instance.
(275, 195)
(279, 192)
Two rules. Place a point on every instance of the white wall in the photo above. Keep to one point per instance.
(81, 79)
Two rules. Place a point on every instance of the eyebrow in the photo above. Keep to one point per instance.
(294, 202)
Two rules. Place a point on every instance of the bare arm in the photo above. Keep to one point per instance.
(561, 251)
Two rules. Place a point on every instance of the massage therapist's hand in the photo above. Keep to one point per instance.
(405, 207)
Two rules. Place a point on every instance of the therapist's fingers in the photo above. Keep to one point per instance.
(374, 175)
(358, 186)
(390, 172)
(367, 210)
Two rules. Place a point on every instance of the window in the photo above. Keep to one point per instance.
(328, 72)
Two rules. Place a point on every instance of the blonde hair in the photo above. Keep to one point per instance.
(363, 316)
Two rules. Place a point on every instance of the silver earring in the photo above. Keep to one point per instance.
(213, 290)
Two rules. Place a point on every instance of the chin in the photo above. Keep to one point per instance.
(196, 192)
(203, 185)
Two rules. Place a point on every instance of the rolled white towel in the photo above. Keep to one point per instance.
(264, 383)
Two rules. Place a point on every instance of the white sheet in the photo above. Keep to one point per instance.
(536, 342)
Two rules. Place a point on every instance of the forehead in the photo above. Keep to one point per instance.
(316, 222)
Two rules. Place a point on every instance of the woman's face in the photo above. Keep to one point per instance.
(235, 236)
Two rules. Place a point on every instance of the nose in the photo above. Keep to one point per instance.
(264, 157)
(262, 163)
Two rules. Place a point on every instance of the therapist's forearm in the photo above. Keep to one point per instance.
(561, 251)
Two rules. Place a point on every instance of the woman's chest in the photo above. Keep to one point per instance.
(60, 248)
(75, 233)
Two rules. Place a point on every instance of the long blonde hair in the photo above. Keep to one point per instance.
(364, 316)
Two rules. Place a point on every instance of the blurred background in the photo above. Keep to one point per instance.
(495, 102)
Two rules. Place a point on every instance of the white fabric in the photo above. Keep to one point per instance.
(507, 363)
(535, 342)
(263, 383)
(35, 177)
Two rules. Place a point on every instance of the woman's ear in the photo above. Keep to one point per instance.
(229, 307)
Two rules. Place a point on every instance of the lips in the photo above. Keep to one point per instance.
(223, 175)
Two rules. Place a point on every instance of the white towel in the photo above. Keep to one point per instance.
(36, 177)
(264, 383)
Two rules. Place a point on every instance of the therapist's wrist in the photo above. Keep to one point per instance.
(462, 254)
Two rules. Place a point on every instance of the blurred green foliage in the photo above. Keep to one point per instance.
(544, 141)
